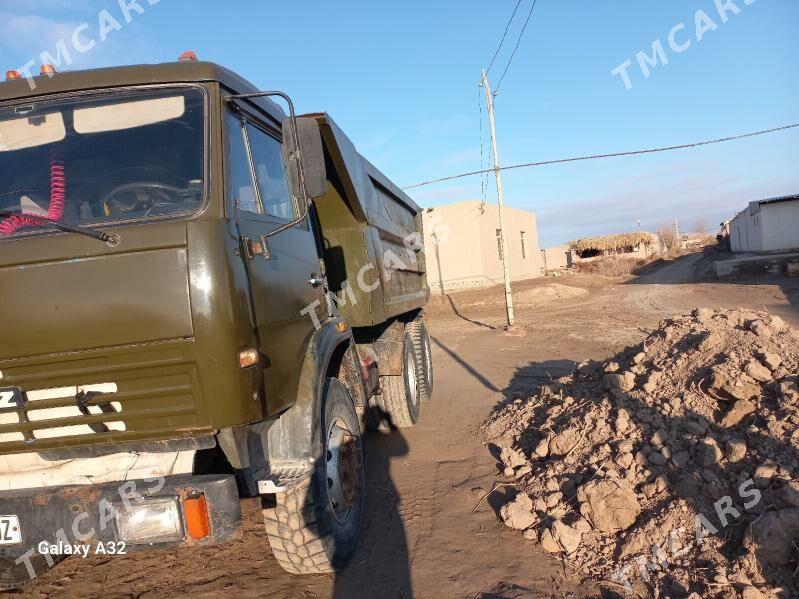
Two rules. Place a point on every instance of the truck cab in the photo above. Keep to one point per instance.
(196, 307)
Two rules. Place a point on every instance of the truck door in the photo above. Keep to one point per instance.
(284, 270)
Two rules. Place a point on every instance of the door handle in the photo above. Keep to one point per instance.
(315, 281)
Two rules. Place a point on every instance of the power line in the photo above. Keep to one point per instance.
(504, 35)
(518, 43)
(612, 155)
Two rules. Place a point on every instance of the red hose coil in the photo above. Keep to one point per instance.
(58, 194)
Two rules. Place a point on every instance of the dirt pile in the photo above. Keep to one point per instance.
(671, 469)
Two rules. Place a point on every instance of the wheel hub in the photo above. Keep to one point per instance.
(341, 468)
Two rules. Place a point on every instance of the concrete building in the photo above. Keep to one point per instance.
(766, 226)
(463, 249)
(557, 257)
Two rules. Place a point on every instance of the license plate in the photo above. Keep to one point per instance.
(11, 397)
(10, 532)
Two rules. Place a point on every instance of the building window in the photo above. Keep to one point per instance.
(524, 248)
(499, 245)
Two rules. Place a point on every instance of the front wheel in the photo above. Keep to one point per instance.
(314, 528)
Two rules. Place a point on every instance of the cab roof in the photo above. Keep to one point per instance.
(146, 74)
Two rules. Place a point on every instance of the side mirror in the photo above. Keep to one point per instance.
(312, 155)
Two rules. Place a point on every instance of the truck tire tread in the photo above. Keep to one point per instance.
(421, 347)
(295, 539)
(393, 402)
(304, 535)
(396, 400)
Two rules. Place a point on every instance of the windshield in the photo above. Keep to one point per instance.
(101, 159)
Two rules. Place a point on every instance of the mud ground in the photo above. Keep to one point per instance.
(426, 533)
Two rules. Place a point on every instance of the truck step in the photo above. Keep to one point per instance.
(284, 478)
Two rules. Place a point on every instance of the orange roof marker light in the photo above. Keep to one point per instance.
(11, 75)
(188, 56)
(48, 69)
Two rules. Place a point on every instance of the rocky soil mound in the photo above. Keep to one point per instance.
(671, 470)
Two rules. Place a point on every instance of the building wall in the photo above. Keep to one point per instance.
(453, 245)
(746, 233)
(766, 227)
(462, 249)
(780, 225)
(640, 252)
(559, 256)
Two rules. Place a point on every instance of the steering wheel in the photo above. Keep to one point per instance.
(146, 196)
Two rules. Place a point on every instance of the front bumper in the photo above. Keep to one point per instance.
(85, 515)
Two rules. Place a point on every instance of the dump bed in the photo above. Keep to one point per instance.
(372, 236)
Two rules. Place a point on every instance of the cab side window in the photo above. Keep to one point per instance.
(271, 173)
(240, 184)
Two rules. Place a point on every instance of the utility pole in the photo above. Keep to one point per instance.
(498, 175)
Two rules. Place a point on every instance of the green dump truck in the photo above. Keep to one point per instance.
(203, 298)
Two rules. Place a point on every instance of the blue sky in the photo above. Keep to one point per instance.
(401, 80)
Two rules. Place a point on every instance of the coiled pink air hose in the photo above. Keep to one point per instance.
(58, 194)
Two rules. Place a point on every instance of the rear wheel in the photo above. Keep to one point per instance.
(314, 528)
(424, 357)
(399, 399)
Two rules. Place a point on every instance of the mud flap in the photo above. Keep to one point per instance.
(294, 440)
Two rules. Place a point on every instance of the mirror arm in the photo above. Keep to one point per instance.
(298, 154)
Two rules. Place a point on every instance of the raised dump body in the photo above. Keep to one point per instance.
(372, 233)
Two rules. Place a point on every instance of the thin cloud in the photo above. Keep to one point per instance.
(32, 34)
(710, 198)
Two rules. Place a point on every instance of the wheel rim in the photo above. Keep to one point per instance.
(411, 380)
(341, 469)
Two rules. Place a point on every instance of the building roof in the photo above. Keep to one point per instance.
(791, 198)
(488, 205)
(606, 243)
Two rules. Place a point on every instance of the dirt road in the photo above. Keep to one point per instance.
(425, 534)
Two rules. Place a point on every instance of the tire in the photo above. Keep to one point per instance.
(15, 576)
(424, 357)
(315, 527)
(399, 398)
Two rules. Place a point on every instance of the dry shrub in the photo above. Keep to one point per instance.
(668, 236)
(611, 266)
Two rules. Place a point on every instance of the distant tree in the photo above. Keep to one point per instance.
(700, 228)
(668, 236)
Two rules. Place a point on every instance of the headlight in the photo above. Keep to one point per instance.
(153, 521)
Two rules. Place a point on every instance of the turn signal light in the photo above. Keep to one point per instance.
(248, 357)
(48, 69)
(188, 56)
(196, 512)
(10, 75)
